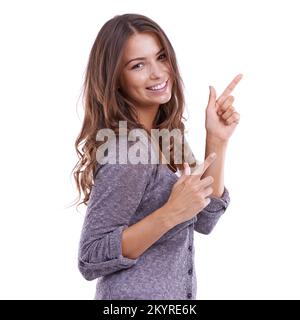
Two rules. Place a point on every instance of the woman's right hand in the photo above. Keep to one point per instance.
(190, 193)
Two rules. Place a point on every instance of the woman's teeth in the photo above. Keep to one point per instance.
(159, 86)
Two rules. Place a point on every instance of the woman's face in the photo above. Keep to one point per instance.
(145, 77)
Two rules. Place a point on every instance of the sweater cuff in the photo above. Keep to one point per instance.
(217, 204)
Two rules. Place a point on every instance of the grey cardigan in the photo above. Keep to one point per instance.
(122, 195)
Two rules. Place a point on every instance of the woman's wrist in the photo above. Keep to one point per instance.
(215, 141)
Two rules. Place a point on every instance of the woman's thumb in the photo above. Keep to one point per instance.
(212, 97)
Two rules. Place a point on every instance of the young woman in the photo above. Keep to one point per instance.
(137, 236)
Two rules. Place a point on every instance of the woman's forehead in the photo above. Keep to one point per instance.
(142, 45)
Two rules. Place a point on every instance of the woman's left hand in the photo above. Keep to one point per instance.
(221, 117)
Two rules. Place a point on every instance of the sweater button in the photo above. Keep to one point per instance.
(190, 248)
(189, 295)
(190, 271)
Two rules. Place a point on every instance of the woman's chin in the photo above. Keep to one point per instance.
(161, 99)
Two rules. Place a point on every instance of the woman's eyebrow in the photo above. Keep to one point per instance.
(143, 58)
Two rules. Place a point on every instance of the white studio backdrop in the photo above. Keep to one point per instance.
(253, 253)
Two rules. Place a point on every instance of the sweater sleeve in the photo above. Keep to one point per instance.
(115, 197)
(210, 215)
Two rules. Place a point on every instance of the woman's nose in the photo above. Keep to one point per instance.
(156, 71)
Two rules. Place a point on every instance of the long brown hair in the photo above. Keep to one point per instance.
(104, 104)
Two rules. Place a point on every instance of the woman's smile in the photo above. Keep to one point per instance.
(159, 87)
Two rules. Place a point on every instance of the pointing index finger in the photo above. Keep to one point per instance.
(229, 89)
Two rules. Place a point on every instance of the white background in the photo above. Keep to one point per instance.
(253, 253)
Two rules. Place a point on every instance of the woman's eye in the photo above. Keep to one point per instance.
(136, 66)
(162, 56)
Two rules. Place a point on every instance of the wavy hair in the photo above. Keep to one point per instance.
(105, 105)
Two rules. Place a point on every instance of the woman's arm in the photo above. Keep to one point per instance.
(137, 238)
(216, 170)
(108, 242)
(209, 216)
(220, 122)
